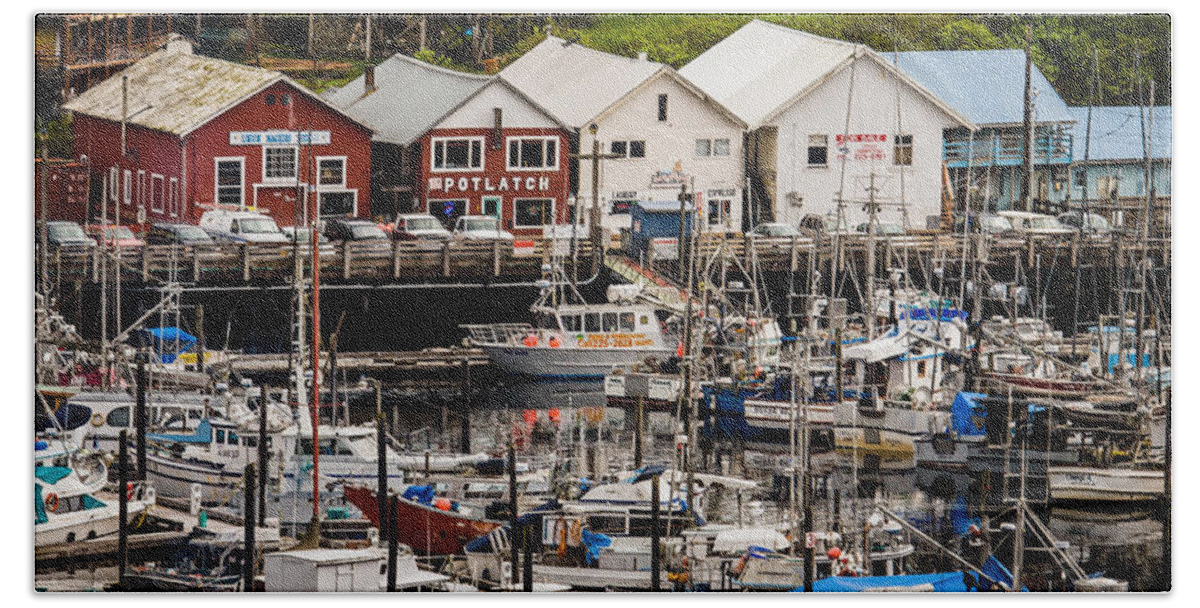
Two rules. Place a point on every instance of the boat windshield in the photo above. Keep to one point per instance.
(192, 234)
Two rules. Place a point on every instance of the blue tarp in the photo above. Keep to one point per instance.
(421, 494)
(967, 415)
(203, 434)
(163, 339)
(39, 507)
(50, 475)
(943, 582)
(594, 543)
(960, 519)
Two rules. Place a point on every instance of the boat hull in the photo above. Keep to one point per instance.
(427, 530)
(566, 361)
(82, 525)
(1105, 485)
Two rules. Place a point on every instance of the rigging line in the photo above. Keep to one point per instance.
(841, 196)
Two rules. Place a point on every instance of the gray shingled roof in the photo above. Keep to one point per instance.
(576, 83)
(410, 97)
(174, 91)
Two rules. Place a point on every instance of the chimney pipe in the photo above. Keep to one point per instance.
(497, 128)
(369, 78)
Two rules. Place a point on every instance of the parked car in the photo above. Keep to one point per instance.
(229, 226)
(340, 229)
(882, 229)
(418, 226)
(1089, 222)
(813, 225)
(480, 228)
(177, 234)
(1035, 224)
(774, 230)
(66, 235)
(302, 235)
(113, 236)
(987, 223)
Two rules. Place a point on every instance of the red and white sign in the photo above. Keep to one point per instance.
(861, 146)
(523, 248)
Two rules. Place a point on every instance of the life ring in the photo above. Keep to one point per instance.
(555, 342)
(52, 502)
(530, 341)
(97, 419)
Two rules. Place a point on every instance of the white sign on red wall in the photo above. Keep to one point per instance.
(279, 138)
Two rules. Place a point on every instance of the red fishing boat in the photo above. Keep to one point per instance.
(433, 529)
(1042, 387)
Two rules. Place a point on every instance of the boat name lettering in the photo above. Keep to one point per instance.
(614, 340)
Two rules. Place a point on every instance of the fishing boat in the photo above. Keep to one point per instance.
(949, 448)
(1105, 484)
(206, 562)
(430, 525)
(69, 508)
(571, 338)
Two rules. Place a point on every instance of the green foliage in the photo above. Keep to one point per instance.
(57, 138)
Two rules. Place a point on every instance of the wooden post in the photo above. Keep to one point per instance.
(655, 533)
(122, 506)
(396, 259)
(810, 558)
(639, 410)
(145, 254)
(446, 259)
(196, 264)
(393, 537)
(249, 559)
(263, 455)
(495, 258)
(527, 549)
(200, 342)
(381, 492)
(140, 417)
(464, 437)
(512, 506)
(245, 262)
(347, 258)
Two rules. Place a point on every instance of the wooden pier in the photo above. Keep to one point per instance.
(371, 363)
(357, 263)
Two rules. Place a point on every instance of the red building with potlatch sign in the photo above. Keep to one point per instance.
(202, 133)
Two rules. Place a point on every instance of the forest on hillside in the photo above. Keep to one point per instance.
(1064, 45)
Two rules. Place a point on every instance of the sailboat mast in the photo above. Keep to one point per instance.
(315, 408)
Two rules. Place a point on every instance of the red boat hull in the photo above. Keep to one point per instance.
(429, 531)
(1043, 387)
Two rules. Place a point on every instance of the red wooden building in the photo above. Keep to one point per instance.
(66, 190)
(202, 132)
(466, 145)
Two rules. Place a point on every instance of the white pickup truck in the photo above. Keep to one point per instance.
(229, 226)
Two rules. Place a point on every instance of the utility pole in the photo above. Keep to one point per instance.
(367, 51)
(596, 229)
(1028, 120)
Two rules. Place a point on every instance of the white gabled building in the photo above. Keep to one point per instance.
(825, 115)
(668, 131)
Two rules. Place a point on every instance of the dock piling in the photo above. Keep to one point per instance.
(249, 557)
(122, 506)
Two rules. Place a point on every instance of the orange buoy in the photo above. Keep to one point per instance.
(554, 414)
(834, 553)
(555, 342)
(442, 504)
(531, 341)
(679, 351)
(52, 502)
(530, 416)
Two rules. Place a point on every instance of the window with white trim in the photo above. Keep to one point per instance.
(143, 189)
(718, 211)
(712, 147)
(457, 154)
(818, 150)
(532, 153)
(173, 199)
(229, 177)
(533, 212)
(331, 171)
(156, 193)
(127, 187)
(279, 163)
(902, 150)
(628, 149)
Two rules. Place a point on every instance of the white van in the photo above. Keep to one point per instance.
(230, 226)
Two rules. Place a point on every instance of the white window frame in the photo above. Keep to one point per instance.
(241, 160)
(173, 197)
(285, 179)
(723, 215)
(628, 147)
(897, 146)
(483, 201)
(553, 211)
(113, 184)
(127, 187)
(143, 187)
(345, 165)
(808, 145)
(509, 160)
(433, 144)
(157, 204)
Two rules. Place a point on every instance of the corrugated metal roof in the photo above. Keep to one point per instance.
(1117, 133)
(986, 86)
(410, 97)
(174, 91)
(576, 83)
(762, 66)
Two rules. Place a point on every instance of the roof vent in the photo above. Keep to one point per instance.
(642, 56)
(178, 44)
